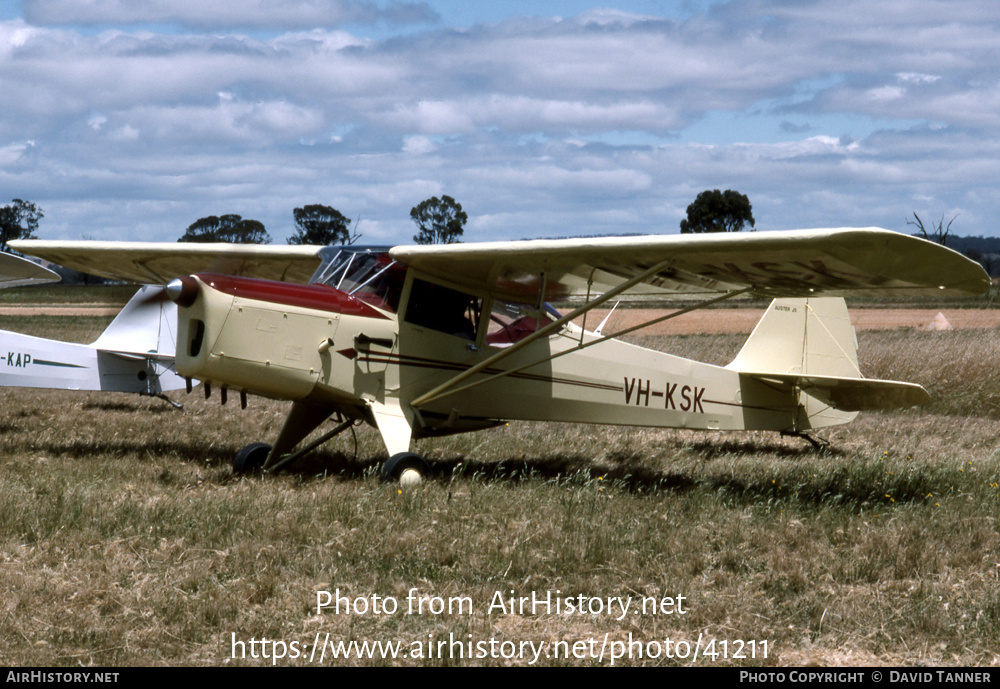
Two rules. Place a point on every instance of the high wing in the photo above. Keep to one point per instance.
(829, 262)
(17, 272)
(154, 263)
(833, 262)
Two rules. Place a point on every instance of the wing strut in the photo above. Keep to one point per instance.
(489, 361)
(583, 345)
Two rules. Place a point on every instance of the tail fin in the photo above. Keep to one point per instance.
(145, 327)
(134, 354)
(803, 336)
(808, 347)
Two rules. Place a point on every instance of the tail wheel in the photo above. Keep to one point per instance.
(406, 468)
(251, 458)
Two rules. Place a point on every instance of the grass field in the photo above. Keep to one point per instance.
(125, 540)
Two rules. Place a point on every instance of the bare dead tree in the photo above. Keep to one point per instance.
(937, 234)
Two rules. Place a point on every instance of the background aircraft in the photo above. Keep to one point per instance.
(136, 352)
(430, 340)
(17, 272)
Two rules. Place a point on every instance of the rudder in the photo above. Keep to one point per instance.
(798, 339)
(803, 336)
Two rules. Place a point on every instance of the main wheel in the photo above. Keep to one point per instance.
(405, 467)
(251, 458)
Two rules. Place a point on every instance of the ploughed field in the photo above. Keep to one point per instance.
(125, 540)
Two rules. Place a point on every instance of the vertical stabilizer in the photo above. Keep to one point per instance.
(800, 340)
(803, 336)
(146, 326)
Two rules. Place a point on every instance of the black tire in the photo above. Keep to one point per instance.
(398, 463)
(251, 458)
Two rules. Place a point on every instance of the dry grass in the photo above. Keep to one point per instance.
(63, 294)
(124, 540)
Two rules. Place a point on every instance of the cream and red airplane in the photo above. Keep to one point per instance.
(430, 340)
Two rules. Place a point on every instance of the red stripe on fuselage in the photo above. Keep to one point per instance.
(317, 297)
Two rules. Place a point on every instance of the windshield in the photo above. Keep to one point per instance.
(366, 274)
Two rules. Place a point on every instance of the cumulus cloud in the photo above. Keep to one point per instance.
(418, 145)
(834, 113)
(13, 153)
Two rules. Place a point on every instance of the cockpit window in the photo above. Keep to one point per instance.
(443, 309)
(368, 275)
(511, 322)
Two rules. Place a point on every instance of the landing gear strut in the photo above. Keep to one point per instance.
(254, 456)
(406, 468)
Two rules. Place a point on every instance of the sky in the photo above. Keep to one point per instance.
(131, 119)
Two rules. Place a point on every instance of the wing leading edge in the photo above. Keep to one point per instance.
(155, 263)
(830, 262)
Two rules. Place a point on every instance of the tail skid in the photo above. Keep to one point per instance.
(809, 346)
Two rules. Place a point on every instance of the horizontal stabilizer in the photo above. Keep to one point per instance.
(850, 394)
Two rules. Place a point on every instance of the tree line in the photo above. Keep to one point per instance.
(442, 221)
(438, 220)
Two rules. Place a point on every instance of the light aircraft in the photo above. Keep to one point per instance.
(431, 340)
